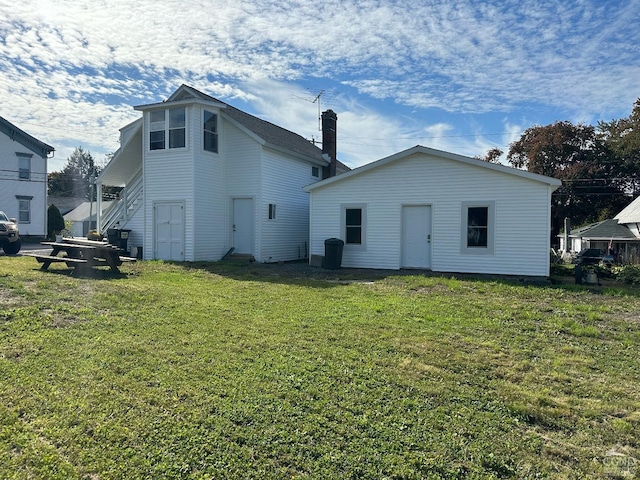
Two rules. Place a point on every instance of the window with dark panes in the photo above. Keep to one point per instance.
(478, 227)
(210, 132)
(156, 130)
(177, 127)
(353, 225)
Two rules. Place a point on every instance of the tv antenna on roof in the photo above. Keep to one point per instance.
(316, 99)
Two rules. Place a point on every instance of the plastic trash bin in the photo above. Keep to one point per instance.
(333, 253)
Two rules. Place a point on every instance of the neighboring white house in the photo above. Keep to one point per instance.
(23, 178)
(201, 177)
(429, 209)
(620, 234)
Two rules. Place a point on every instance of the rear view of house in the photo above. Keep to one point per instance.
(23, 178)
(202, 178)
(428, 209)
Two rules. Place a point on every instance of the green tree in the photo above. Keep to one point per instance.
(578, 156)
(623, 139)
(74, 180)
(55, 221)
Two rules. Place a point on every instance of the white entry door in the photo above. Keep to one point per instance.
(169, 228)
(416, 236)
(243, 225)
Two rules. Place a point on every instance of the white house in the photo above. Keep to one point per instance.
(23, 178)
(429, 209)
(202, 178)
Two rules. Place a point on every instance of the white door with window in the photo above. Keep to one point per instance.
(416, 236)
(169, 231)
(243, 225)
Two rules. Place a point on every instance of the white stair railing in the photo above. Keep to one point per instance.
(129, 202)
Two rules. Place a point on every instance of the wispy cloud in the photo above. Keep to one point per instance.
(71, 69)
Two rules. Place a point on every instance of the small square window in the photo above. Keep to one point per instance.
(272, 211)
(315, 172)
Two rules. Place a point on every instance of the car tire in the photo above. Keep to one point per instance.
(12, 248)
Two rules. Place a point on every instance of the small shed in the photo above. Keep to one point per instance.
(429, 209)
(79, 218)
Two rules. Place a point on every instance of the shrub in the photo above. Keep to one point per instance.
(55, 221)
(629, 274)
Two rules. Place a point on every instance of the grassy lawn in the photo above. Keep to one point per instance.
(236, 371)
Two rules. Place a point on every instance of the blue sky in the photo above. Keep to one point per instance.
(461, 76)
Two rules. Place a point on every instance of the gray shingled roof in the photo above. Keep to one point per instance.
(32, 143)
(606, 229)
(270, 133)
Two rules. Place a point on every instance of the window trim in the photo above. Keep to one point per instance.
(167, 130)
(24, 198)
(205, 132)
(363, 225)
(24, 157)
(464, 227)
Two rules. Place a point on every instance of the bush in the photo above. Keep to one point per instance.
(55, 221)
(629, 274)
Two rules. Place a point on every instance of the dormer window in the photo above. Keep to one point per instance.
(167, 124)
(210, 132)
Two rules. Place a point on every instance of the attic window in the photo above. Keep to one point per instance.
(175, 118)
(210, 132)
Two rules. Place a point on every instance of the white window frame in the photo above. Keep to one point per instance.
(167, 128)
(363, 225)
(491, 223)
(24, 159)
(210, 132)
(22, 202)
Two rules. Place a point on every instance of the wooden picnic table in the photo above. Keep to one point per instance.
(82, 254)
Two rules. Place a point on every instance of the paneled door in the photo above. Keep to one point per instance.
(169, 231)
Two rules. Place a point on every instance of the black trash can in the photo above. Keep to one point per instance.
(118, 237)
(113, 235)
(332, 253)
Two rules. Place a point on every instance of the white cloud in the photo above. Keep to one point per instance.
(72, 69)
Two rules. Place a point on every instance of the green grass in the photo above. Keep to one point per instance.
(235, 371)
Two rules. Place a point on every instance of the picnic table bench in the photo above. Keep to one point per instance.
(82, 254)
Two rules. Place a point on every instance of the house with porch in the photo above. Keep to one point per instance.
(619, 235)
(202, 179)
(23, 178)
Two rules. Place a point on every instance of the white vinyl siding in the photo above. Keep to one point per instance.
(168, 177)
(521, 244)
(33, 188)
(282, 180)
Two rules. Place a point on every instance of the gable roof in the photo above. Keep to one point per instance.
(32, 143)
(604, 230)
(631, 213)
(553, 182)
(271, 134)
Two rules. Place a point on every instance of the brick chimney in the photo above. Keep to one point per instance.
(329, 142)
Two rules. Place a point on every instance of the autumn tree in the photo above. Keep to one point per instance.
(578, 156)
(623, 139)
(492, 156)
